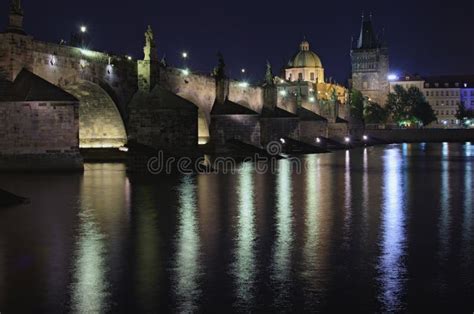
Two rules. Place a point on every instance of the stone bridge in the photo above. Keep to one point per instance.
(105, 84)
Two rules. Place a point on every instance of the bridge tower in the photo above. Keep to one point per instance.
(15, 22)
(370, 64)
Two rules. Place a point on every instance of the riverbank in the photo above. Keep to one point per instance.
(422, 135)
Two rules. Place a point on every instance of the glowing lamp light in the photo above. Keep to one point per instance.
(129, 58)
(282, 140)
(52, 61)
(123, 149)
(318, 140)
(83, 29)
(312, 99)
(244, 84)
(243, 70)
(365, 137)
(283, 93)
(184, 55)
(445, 122)
(393, 77)
(185, 72)
(347, 139)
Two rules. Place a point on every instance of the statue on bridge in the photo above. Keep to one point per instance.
(15, 7)
(219, 70)
(150, 47)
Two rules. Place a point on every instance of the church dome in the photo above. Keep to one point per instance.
(305, 58)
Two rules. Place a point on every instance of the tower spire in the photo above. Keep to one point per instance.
(367, 38)
(15, 24)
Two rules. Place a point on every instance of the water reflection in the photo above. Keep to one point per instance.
(391, 264)
(187, 261)
(90, 287)
(244, 267)
(445, 217)
(365, 190)
(147, 247)
(102, 227)
(284, 232)
(312, 250)
(347, 199)
(468, 208)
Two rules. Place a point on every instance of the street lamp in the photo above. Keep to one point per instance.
(184, 55)
(83, 29)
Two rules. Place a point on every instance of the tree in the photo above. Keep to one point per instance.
(357, 104)
(421, 109)
(374, 113)
(464, 114)
(408, 107)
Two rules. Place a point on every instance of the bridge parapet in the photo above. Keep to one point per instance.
(64, 65)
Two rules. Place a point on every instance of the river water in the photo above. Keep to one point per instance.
(384, 229)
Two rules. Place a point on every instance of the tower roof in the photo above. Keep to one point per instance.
(367, 37)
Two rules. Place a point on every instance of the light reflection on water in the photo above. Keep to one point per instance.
(90, 288)
(445, 217)
(344, 235)
(187, 261)
(284, 234)
(244, 268)
(391, 265)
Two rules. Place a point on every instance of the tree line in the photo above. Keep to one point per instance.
(405, 107)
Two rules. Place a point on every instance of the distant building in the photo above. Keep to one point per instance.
(304, 80)
(444, 93)
(305, 66)
(370, 64)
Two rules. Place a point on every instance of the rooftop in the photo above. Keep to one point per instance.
(230, 108)
(30, 87)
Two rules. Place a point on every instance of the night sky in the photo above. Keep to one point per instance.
(426, 37)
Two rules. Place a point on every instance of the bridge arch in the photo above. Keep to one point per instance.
(100, 122)
(204, 110)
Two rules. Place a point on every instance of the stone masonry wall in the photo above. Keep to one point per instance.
(35, 135)
(245, 128)
(310, 130)
(273, 129)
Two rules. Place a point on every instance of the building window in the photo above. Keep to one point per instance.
(312, 76)
(289, 77)
(365, 85)
(300, 76)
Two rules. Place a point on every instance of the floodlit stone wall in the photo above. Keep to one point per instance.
(39, 135)
(310, 130)
(245, 128)
(273, 129)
